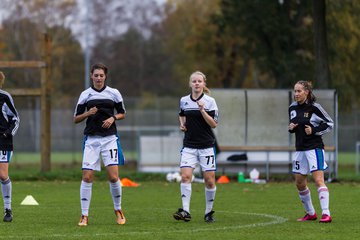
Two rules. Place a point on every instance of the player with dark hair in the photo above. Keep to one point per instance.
(309, 121)
(198, 115)
(97, 104)
(9, 124)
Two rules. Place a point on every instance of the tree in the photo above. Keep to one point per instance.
(343, 30)
(322, 72)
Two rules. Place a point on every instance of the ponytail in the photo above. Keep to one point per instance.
(2, 78)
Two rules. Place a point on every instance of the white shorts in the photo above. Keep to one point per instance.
(190, 157)
(5, 156)
(309, 161)
(108, 148)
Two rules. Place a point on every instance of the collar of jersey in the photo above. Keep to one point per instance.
(303, 104)
(97, 89)
(195, 100)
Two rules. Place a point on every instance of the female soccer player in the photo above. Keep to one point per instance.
(9, 124)
(198, 115)
(96, 104)
(309, 121)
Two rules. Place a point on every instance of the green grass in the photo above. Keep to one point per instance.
(242, 211)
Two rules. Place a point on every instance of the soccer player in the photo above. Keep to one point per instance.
(9, 124)
(97, 104)
(309, 121)
(198, 115)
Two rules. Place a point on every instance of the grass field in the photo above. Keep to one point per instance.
(242, 211)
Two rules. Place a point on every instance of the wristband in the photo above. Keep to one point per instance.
(114, 117)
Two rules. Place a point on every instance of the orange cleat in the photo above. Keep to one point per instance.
(120, 218)
(83, 221)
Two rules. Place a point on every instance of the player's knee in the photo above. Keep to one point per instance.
(113, 179)
(87, 179)
(319, 183)
(3, 178)
(185, 178)
(210, 184)
(301, 185)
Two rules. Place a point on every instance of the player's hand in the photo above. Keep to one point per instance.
(292, 126)
(201, 105)
(92, 111)
(308, 130)
(108, 122)
(183, 128)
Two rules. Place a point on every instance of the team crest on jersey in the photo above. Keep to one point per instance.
(306, 115)
(292, 114)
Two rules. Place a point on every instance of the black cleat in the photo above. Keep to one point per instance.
(209, 218)
(181, 214)
(8, 215)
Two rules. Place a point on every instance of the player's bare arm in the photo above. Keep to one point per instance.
(82, 117)
(108, 122)
(208, 119)
(182, 121)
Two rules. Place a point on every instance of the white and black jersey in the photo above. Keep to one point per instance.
(316, 117)
(105, 100)
(9, 121)
(199, 134)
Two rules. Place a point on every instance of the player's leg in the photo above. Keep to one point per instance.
(210, 191)
(85, 196)
(208, 165)
(116, 192)
(318, 161)
(185, 187)
(188, 162)
(301, 170)
(113, 157)
(6, 186)
(91, 162)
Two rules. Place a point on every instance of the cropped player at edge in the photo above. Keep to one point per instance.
(9, 124)
(198, 115)
(96, 104)
(309, 121)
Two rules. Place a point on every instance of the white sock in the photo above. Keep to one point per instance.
(324, 200)
(6, 188)
(85, 197)
(209, 198)
(116, 190)
(305, 197)
(185, 189)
